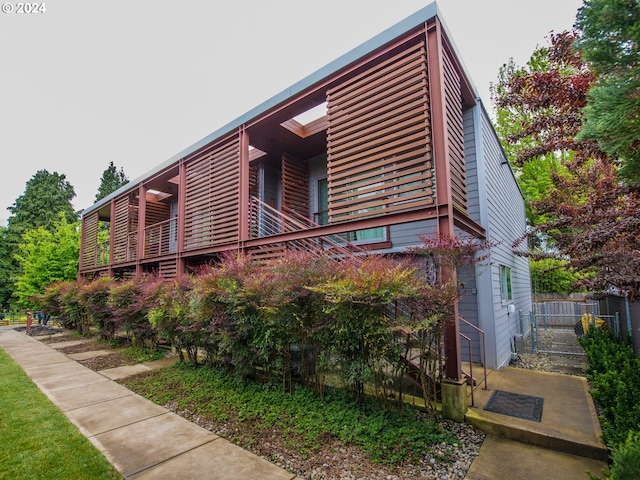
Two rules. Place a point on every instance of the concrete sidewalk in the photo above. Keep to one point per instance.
(141, 439)
(146, 441)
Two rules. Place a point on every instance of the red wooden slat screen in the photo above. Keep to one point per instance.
(90, 239)
(125, 222)
(211, 196)
(378, 140)
(295, 185)
(455, 134)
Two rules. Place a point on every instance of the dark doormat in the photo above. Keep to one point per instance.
(515, 405)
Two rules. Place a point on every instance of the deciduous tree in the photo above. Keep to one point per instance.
(588, 216)
(45, 257)
(46, 197)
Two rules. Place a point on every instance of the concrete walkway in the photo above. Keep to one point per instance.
(565, 444)
(141, 439)
(146, 441)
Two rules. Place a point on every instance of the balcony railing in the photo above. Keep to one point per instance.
(102, 254)
(161, 238)
(266, 221)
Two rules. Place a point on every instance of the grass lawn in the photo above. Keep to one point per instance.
(37, 439)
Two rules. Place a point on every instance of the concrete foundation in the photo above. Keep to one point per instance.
(454, 399)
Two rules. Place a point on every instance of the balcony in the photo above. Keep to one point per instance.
(161, 238)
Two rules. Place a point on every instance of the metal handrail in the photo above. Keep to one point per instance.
(470, 366)
(102, 254)
(484, 354)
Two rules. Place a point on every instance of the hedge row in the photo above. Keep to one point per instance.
(303, 318)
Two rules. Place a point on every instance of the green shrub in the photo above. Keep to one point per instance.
(626, 459)
(615, 377)
(552, 276)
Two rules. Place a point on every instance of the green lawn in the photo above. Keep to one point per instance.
(37, 441)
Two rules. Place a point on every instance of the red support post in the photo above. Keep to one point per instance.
(243, 188)
(142, 213)
(437, 96)
(112, 235)
(182, 188)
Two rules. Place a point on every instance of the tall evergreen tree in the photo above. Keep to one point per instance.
(610, 44)
(112, 179)
(6, 262)
(47, 196)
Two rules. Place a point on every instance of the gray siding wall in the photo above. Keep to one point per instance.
(502, 212)
(406, 235)
(468, 304)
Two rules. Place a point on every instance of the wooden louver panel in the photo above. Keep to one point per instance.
(378, 142)
(455, 135)
(90, 240)
(295, 185)
(168, 269)
(125, 223)
(211, 196)
(156, 212)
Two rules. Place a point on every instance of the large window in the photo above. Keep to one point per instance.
(505, 284)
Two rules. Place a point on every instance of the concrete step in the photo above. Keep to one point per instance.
(569, 421)
(504, 458)
(552, 441)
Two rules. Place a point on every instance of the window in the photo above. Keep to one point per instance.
(322, 217)
(505, 284)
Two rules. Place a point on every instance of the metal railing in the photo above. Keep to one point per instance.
(531, 324)
(266, 221)
(483, 356)
(161, 238)
(563, 313)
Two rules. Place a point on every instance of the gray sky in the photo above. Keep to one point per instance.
(135, 82)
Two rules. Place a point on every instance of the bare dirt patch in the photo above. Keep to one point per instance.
(104, 362)
(89, 346)
(65, 337)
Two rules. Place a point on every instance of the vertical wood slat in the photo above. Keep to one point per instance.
(90, 239)
(211, 196)
(455, 134)
(295, 185)
(378, 142)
